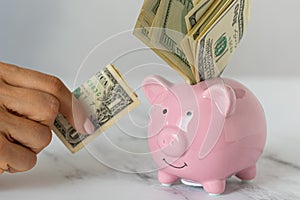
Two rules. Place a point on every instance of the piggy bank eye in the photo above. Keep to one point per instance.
(165, 111)
(189, 114)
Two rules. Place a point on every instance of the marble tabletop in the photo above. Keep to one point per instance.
(61, 175)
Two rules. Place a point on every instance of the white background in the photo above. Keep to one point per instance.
(55, 36)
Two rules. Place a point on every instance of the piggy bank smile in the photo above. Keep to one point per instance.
(176, 167)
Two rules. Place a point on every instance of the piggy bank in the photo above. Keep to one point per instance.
(205, 133)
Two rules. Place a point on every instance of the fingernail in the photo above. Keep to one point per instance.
(88, 126)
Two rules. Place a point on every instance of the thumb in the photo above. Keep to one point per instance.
(80, 120)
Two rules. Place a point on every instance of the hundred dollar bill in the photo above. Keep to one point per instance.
(188, 43)
(143, 31)
(192, 19)
(169, 30)
(217, 44)
(196, 13)
(108, 98)
(215, 14)
(150, 8)
(191, 39)
(145, 20)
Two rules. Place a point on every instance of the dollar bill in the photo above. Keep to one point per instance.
(142, 30)
(147, 24)
(150, 8)
(145, 20)
(209, 17)
(188, 42)
(217, 44)
(107, 97)
(197, 12)
(192, 19)
(169, 29)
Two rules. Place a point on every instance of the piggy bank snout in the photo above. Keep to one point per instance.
(172, 142)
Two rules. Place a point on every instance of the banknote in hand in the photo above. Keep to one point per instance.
(106, 97)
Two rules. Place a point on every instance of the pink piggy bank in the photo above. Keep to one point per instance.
(204, 133)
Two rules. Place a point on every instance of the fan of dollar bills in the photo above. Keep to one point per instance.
(195, 37)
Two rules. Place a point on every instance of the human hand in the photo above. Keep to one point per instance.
(29, 104)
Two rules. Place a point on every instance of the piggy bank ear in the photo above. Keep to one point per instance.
(154, 86)
(222, 95)
(223, 101)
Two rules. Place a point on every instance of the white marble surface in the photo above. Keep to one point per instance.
(60, 175)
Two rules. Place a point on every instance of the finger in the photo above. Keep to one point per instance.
(33, 104)
(15, 157)
(12, 170)
(28, 133)
(14, 75)
(82, 122)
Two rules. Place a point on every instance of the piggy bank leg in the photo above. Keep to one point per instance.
(247, 174)
(166, 179)
(214, 187)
